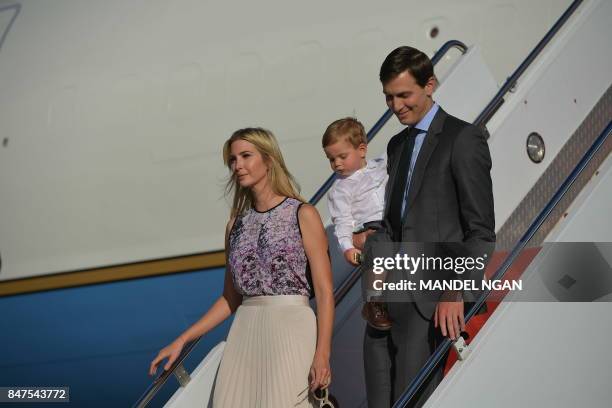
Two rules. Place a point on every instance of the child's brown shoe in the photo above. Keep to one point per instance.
(375, 313)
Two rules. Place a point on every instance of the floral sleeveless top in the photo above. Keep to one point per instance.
(266, 252)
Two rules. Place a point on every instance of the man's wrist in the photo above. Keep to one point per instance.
(452, 296)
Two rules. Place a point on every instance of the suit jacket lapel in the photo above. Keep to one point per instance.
(428, 147)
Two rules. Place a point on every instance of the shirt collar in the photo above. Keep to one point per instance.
(370, 164)
(373, 163)
(356, 172)
(428, 118)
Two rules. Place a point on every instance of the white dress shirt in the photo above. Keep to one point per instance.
(356, 199)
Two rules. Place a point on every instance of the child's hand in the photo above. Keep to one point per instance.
(360, 239)
(352, 256)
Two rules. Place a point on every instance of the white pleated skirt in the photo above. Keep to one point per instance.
(268, 354)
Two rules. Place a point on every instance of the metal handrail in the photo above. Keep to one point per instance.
(17, 8)
(535, 225)
(386, 116)
(159, 382)
(344, 287)
(510, 83)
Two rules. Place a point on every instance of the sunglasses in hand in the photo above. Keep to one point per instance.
(321, 396)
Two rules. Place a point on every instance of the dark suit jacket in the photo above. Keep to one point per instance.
(451, 196)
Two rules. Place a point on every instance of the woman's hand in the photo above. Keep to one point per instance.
(320, 372)
(171, 351)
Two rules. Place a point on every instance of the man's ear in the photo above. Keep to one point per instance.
(431, 85)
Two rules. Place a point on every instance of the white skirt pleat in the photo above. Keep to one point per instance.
(268, 354)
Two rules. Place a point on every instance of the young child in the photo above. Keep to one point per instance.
(356, 199)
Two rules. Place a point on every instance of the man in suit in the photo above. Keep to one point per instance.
(439, 191)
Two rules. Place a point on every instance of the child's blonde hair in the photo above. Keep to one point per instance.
(349, 129)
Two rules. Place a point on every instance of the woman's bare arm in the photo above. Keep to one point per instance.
(315, 246)
(227, 304)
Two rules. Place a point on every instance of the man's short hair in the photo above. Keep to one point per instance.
(349, 129)
(407, 59)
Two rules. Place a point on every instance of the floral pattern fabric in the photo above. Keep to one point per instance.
(266, 252)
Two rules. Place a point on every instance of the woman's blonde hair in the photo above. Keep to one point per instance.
(281, 181)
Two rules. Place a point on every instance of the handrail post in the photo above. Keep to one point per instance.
(182, 375)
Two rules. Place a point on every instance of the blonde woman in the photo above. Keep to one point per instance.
(276, 250)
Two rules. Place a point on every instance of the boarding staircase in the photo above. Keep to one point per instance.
(558, 105)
